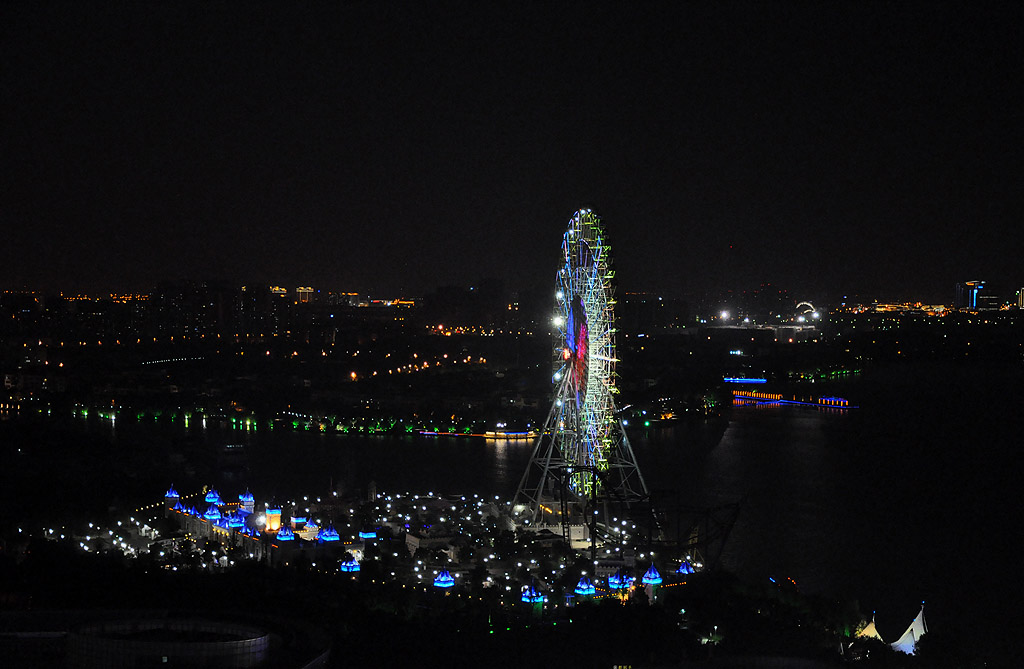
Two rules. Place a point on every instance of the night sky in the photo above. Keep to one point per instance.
(828, 148)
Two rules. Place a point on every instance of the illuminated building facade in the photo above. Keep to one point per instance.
(262, 536)
(273, 517)
(976, 296)
(967, 294)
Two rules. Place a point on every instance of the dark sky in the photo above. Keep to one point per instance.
(867, 147)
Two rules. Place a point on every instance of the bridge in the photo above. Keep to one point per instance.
(742, 397)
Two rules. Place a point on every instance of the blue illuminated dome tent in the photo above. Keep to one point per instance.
(328, 534)
(585, 587)
(444, 579)
(652, 577)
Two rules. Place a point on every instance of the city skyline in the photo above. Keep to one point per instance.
(393, 149)
(986, 296)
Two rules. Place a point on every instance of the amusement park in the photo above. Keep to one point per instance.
(584, 542)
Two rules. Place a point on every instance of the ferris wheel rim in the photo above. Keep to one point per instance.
(587, 342)
(583, 452)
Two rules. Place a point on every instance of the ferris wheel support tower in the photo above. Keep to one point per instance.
(582, 461)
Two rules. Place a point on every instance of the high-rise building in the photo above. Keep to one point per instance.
(967, 294)
(977, 296)
(1020, 298)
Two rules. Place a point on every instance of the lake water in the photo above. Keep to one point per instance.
(913, 496)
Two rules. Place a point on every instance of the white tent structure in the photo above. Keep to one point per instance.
(870, 631)
(908, 642)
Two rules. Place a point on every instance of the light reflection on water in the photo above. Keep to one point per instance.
(289, 463)
(875, 503)
(782, 463)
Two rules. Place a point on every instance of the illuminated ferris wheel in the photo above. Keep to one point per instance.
(583, 452)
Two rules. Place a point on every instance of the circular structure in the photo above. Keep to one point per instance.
(586, 359)
(190, 642)
(582, 462)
